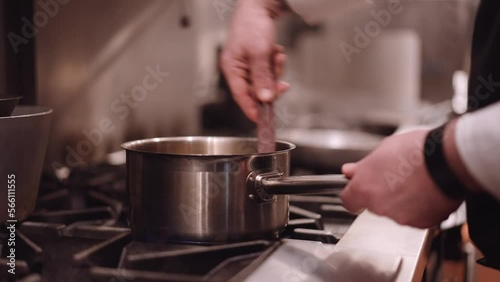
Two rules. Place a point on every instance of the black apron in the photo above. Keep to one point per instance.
(483, 211)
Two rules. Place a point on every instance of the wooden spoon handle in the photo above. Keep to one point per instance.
(265, 129)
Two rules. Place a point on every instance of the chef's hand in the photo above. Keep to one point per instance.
(393, 181)
(251, 61)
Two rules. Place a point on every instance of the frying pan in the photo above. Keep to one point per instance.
(7, 104)
(328, 149)
(212, 189)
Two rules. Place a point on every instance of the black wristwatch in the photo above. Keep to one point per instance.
(438, 167)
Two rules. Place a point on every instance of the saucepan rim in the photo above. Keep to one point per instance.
(131, 146)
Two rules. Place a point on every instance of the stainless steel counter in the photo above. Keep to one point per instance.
(380, 235)
(373, 249)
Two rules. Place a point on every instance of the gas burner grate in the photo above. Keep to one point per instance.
(323, 236)
(79, 233)
(172, 262)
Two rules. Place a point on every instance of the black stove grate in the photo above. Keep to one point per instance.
(79, 233)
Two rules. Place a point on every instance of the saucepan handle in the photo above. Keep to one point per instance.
(262, 186)
(304, 184)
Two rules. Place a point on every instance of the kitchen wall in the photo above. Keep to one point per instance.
(95, 66)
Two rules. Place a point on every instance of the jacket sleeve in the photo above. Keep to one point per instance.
(477, 137)
(315, 11)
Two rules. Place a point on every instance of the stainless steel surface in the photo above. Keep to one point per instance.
(7, 105)
(377, 234)
(329, 149)
(23, 141)
(265, 128)
(201, 189)
(304, 184)
(372, 243)
(190, 189)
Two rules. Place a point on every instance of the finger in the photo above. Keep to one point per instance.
(281, 88)
(236, 77)
(279, 60)
(352, 200)
(349, 169)
(263, 77)
(278, 48)
(244, 98)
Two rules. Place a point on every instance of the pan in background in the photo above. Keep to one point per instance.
(7, 104)
(328, 149)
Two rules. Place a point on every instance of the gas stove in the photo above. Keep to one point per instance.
(79, 232)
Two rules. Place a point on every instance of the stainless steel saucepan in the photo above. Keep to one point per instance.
(212, 189)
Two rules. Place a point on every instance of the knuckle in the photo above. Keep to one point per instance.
(361, 192)
(352, 199)
(347, 200)
(348, 205)
(263, 78)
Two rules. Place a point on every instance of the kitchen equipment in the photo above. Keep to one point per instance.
(265, 129)
(7, 105)
(329, 149)
(393, 94)
(212, 189)
(79, 233)
(23, 141)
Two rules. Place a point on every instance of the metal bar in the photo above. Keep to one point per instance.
(304, 184)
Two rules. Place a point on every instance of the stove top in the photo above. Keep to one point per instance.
(79, 232)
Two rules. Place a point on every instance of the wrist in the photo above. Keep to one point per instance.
(438, 165)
